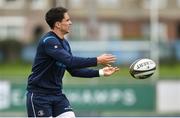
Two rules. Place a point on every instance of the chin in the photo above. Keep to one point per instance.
(67, 31)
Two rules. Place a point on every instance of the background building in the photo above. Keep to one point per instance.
(95, 20)
(100, 19)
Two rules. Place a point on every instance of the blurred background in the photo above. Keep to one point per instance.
(129, 29)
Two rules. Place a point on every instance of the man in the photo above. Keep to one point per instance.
(53, 57)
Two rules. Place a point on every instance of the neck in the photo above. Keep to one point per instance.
(58, 33)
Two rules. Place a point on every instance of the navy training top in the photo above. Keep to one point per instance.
(52, 58)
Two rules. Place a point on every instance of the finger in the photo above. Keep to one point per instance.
(110, 61)
(111, 57)
(108, 54)
(110, 68)
(116, 69)
(108, 65)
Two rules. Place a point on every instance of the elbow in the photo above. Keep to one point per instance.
(69, 63)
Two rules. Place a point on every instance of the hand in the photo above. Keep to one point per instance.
(106, 59)
(109, 70)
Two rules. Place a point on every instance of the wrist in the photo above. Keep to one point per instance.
(97, 60)
(101, 72)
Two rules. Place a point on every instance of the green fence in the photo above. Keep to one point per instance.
(125, 97)
(112, 97)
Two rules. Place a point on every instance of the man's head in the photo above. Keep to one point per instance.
(58, 18)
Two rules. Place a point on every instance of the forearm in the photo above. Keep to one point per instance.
(86, 73)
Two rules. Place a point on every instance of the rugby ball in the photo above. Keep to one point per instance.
(142, 68)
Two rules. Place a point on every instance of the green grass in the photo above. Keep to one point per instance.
(15, 72)
(19, 71)
(170, 70)
(15, 69)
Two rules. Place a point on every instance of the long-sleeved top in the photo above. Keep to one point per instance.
(52, 58)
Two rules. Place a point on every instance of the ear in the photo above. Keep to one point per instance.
(58, 24)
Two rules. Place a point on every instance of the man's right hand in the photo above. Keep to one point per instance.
(106, 59)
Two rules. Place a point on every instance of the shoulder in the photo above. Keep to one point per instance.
(49, 39)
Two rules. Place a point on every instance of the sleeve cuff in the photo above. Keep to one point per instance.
(101, 72)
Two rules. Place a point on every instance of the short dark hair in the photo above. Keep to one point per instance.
(54, 15)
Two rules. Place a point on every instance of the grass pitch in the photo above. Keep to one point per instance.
(20, 71)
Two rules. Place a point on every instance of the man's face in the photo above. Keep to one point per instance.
(65, 24)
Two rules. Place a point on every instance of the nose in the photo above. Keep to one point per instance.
(70, 23)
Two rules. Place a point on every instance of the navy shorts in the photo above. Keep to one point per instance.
(43, 105)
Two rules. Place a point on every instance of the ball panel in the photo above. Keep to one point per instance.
(144, 64)
(143, 77)
(144, 71)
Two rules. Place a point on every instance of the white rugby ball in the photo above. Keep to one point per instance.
(142, 68)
